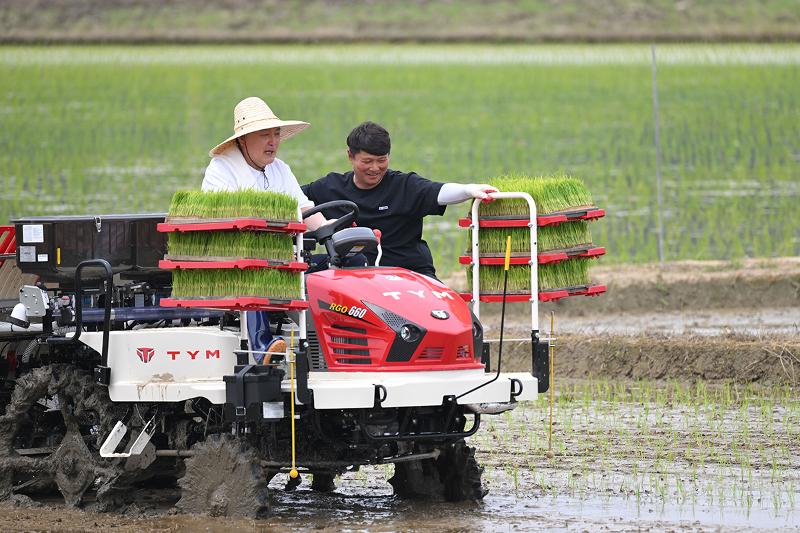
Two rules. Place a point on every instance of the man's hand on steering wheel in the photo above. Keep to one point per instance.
(324, 232)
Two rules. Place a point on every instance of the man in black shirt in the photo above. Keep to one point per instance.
(391, 201)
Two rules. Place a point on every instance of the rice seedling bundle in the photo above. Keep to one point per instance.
(233, 204)
(574, 272)
(221, 245)
(232, 283)
(551, 194)
(492, 241)
(189, 206)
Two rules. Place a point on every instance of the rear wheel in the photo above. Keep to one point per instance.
(453, 476)
(224, 477)
(51, 432)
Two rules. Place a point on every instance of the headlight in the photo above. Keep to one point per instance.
(409, 333)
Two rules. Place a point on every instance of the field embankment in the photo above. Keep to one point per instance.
(684, 321)
(250, 21)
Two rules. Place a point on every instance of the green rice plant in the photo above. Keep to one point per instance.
(492, 241)
(219, 283)
(233, 204)
(232, 244)
(551, 276)
(550, 193)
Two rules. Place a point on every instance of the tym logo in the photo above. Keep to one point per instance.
(146, 354)
(419, 294)
(175, 354)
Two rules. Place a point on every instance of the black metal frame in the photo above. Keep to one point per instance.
(404, 435)
(102, 373)
(540, 361)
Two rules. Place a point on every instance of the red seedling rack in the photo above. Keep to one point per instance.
(241, 303)
(549, 219)
(543, 258)
(294, 266)
(549, 295)
(233, 224)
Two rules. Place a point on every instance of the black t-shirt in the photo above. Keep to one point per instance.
(396, 206)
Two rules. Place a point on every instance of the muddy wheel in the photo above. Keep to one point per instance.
(323, 482)
(51, 432)
(453, 476)
(224, 477)
(460, 473)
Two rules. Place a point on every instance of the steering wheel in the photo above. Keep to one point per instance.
(323, 233)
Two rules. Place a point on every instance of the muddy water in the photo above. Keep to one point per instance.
(626, 456)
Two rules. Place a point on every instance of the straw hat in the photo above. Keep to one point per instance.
(253, 114)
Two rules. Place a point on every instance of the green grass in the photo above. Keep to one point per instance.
(113, 129)
(233, 244)
(233, 282)
(551, 276)
(233, 204)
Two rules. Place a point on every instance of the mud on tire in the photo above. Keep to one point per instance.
(224, 477)
(453, 476)
(59, 416)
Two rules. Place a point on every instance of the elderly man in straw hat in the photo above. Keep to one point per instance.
(247, 159)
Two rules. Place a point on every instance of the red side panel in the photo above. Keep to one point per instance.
(8, 242)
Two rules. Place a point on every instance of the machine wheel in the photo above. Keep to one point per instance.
(224, 477)
(453, 476)
(323, 482)
(51, 432)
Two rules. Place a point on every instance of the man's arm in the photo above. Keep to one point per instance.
(455, 193)
(316, 220)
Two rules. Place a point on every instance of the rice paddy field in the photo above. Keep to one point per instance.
(120, 129)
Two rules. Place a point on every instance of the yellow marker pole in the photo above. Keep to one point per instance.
(551, 349)
(508, 252)
(293, 472)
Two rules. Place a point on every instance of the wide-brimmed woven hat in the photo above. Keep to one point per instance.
(253, 114)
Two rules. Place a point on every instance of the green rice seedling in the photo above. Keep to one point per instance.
(206, 245)
(550, 193)
(569, 273)
(492, 241)
(224, 283)
(233, 204)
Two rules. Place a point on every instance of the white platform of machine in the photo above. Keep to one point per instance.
(350, 390)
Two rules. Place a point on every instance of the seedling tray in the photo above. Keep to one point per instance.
(232, 224)
(519, 221)
(294, 266)
(543, 258)
(240, 303)
(549, 295)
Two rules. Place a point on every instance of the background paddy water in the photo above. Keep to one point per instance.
(119, 129)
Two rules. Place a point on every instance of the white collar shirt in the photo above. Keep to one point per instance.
(229, 171)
